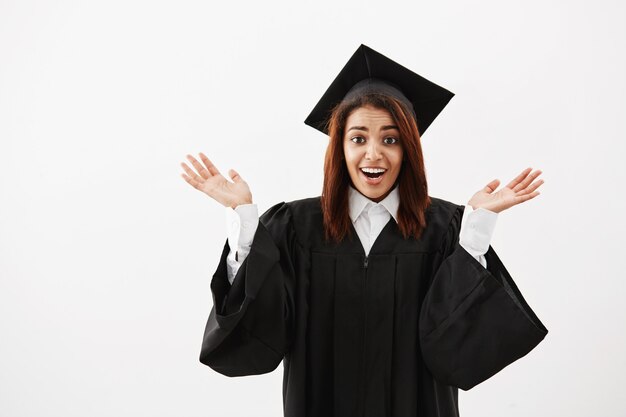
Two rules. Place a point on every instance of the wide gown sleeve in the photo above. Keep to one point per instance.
(249, 328)
(473, 321)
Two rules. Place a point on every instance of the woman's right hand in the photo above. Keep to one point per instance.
(212, 183)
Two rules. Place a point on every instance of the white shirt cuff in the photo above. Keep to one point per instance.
(477, 227)
(249, 221)
(241, 223)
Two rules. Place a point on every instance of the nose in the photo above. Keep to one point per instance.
(372, 151)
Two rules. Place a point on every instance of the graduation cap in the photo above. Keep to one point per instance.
(369, 71)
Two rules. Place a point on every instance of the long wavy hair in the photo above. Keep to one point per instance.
(413, 189)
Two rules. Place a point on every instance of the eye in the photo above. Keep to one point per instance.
(390, 140)
(359, 139)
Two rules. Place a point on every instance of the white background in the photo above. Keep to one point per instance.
(106, 253)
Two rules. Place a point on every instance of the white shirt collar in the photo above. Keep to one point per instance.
(358, 202)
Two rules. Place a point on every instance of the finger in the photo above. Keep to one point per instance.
(191, 172)
(530, 178)
(491, 187)
(191, 181)
(531, 188)
(212, 169)
(201, 169)
(526, 197)
(519, 178)
(234, 175)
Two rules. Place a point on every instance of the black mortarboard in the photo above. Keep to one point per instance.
(370, 71)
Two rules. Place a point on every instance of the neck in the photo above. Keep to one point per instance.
(377, 199)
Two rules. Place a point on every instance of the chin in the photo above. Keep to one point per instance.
(374, 193)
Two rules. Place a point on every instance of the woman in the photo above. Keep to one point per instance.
(390, 322)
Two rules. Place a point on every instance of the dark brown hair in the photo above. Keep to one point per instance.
(413, 189)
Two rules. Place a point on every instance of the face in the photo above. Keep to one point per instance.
(372, 142)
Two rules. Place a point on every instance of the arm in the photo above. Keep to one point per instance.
(250, 325)
(474, 321)
(249, 328)
(241, 223)
(477, 229)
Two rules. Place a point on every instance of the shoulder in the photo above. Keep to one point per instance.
(303, 217)
(306, 207)
(443, 219)
(308, 220)
(441, 209)
(299, 209)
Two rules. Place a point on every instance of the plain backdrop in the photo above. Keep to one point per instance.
(106, 253)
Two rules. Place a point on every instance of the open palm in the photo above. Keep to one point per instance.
(520, 189)
(209, 180)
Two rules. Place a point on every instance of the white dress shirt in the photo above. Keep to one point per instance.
(369, 219)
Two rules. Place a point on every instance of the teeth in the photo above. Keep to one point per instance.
(372, 170)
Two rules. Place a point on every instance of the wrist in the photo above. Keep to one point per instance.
(490, 209)
(240, 203)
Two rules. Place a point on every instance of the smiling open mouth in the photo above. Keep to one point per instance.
(373, 173)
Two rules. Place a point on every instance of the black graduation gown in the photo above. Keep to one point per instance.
(394, 333)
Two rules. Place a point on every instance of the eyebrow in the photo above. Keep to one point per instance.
(387, 127)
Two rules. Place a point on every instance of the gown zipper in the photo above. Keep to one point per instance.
(361, 388)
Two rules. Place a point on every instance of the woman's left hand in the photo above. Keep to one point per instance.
(520, 189)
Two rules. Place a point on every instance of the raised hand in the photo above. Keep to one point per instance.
(520, 189)
(212, 183)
